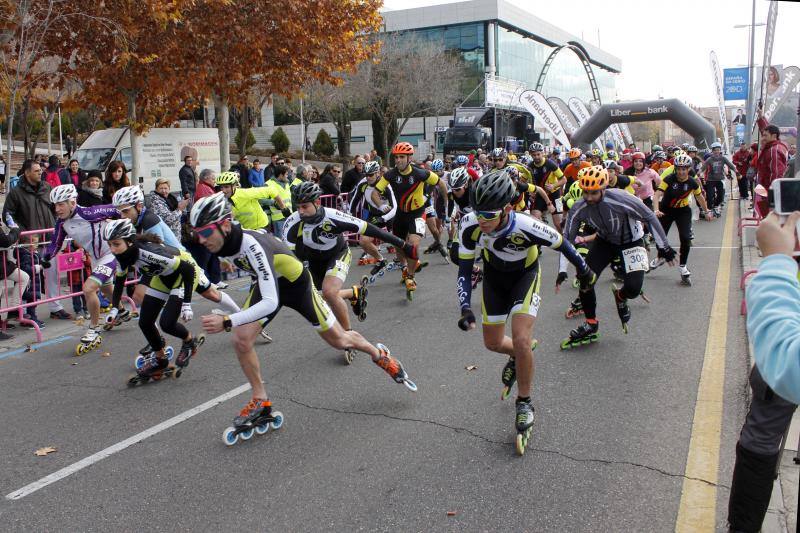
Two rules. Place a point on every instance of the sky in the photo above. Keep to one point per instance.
(665, 51)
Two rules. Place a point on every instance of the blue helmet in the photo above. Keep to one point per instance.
(609, 145)
(437, 165)
(462, 160)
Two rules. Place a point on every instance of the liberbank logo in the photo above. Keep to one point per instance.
(547, 118)
(627, 112)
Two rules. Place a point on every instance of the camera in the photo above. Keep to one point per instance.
(784, 196)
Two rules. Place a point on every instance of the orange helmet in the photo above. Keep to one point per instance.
(593, 178)
(403, 148)
(575, 152)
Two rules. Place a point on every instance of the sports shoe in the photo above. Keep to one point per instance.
(222, 285)
(61, 314)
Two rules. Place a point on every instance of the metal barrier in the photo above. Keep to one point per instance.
(28, 253)
(342, 203)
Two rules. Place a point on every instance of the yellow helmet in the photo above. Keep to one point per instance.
(512, 157)
(227, 178)
(593, 178)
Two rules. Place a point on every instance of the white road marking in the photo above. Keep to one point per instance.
(139, 437)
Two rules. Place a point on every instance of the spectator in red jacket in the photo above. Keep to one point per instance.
(772, 158)
(741, 160)
(205, 184)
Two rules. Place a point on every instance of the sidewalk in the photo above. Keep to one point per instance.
(782, 514)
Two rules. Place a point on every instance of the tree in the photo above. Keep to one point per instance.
(336, 103)
(399, 84)
(244, 147)
(323, 144)
(279, 140)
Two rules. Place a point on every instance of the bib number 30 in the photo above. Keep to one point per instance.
(635, 259)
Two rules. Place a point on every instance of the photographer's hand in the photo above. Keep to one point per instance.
(773, 239)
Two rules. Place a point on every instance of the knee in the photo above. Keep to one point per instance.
(330, 294)
(241, 345)
(521, 341)
(494, 345)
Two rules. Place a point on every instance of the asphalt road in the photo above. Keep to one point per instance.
(359, 452)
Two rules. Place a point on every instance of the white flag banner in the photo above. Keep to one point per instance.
(769, 40)
(626, 132)
(789, 80)
(566, 117)
(582, 115)
(716, 73)
(537, 105)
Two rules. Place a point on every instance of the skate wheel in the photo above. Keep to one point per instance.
(505, 393)
(138, 362)
(410, 385)
(381, 273)
(409, 295)
(522, 443)
(260, 430)
(565, 345)
(79, 350)
(177, 373)
(134, 315)
(362, 317)
(278, 422)
(230, 437)
(348, 356)
(625, 329)
(576, 283)
(247, 434)
(200, 340)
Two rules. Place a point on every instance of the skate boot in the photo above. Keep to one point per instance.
(686, 278)
(477, 275)
(256, 417)
(153, 368)
(377, 270)
(717, 212)
(433, 248)
(411, 286)
(586, 333)
(188, 350)
(147, 352)
(393, 367)
(509, 374)
(623, 310)
(617, 269)
(359, 299)
(116, 319)
(363, 259)
(90, 340)
(575, 308)
(523, 424)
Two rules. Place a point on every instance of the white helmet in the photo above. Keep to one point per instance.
(62, 193)
(459, 177)
(119, 229)
(371, 167)
(682, 160)
(128, 196)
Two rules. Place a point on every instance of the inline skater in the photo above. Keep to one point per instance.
(435, 217)
(173, 278)
(549, 177)
(463, 161)
(656, 148)
(617, 218)
(314, 234)
(595, 157)
(660, 163)
(509, 245)
(646, 179)
(363, 206)
(576, 163)
(672, 201)
(409, 183)
(586, 234)
(618, 180)
(84, 226)
(714, 169)
(278, 279)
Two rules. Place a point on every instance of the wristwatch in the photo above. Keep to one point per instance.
(226, 323)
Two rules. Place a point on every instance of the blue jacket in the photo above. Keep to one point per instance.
(256, 177)
(773, 323)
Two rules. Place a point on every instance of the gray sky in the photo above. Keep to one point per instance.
(665, 52)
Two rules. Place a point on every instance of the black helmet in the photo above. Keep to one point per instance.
(308, 191)
(119, 229)
(209, 209)
(492, 191)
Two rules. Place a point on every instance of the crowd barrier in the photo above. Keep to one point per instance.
(69, 267)
(342, 203)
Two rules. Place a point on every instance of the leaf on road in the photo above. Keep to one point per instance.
(106, 354)
(41, 452)
(472, 367)
(451, 513)
(30, 348)
(75, 364)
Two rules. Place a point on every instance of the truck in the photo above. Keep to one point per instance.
(468, 131)
(162, 151)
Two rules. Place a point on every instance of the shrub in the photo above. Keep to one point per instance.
(323, 144)
(279, 140)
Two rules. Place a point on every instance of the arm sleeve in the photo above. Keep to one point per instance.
(389, 196)
(568, 251)
(119, 286)
(267, 287)
(729, 164)
(574, 220)
(187, 276)
(432, 178)
(381, 185)
(97, 213)
(773, 324)
(376, 232)
(355, 199)
(466, 258)
(58, 240)
(290, 231)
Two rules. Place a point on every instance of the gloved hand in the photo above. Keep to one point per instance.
(45, 262)
(186, 312)
(467, 320)
(111, 317)
(286, 212)
(561, 278)
(410, 250)
(587, 279)
(668, 254)
(375, 220)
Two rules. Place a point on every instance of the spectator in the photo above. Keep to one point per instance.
(269, 171)
(243, 169)
(30, 262)
(328, 182)
(772, 157)
(354, 175)
(52, 174)
(91, 193)
(72, 174)
(116, 178)
(741, 160)
(187, 178)
(375, 157)
(28, 205)
(314, 174)
(167, 207)
(773, 325)
(15, 280)
(256, 174)
(69, 146)
(2, 175)
(205, 184)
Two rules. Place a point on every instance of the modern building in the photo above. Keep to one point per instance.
(497, 40)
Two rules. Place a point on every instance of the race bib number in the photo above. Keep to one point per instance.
(420, 225)
(559, 205)
(103, 270)
(635, 259)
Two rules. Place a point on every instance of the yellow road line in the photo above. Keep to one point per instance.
(698, 507)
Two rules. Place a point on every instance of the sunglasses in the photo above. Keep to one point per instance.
(488, 215)
(206, 231)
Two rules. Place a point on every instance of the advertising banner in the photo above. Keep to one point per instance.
(626, 132)
(735, 83)
(537, 105)
(501, 92)
(582, 115)
(716, 73)
(769, 40)
(787, 81)
(566, 117)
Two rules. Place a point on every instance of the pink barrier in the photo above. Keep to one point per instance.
(31, 247)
